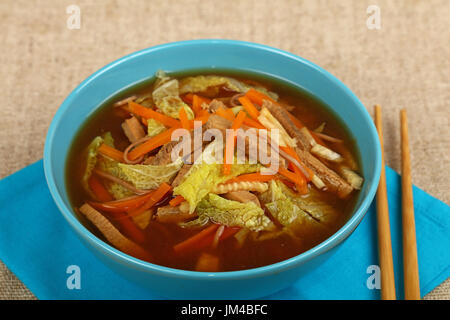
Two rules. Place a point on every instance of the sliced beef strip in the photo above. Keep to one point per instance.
(180, 175)
(163, 156)
(332, 180)
(215, 104)
(133, 129)
(242, 196)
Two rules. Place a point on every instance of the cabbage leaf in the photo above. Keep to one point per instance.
(232, 213)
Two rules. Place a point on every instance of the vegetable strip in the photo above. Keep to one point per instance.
(184, 119)
(111, 152)
(176, 201)
(151, 114)
(99, 189)
(249, 107)
(193, 241)
(258, 97)
(153, 143)
(155, 197)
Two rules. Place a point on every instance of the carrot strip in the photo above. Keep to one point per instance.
(149, 113)
(225, 113)
(121, 205)
(252, 177)
(203, 118)
(197, 102)
(176, 201)
(99, 189)
(302, 187)
(193, 241)
(155, 197)
(253, 123)
(297, 179)
(258, 97)
(111, 152)
(188, 97)
(229, 152)
(294, 154)
(184, 119)
(249, 107)
(153, 143)
(128, 227)
(239, 120)
(209, 239)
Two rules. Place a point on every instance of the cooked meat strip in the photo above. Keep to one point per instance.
(180, 175)
(112, 234)
(332, 180)
(215, 104)
(283, 117)
(133, 129)
(242, 196)
(169, 214)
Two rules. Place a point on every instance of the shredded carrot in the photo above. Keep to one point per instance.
(203, 118)
(302, 186)
(111, 152)
(193, 241)
(155, 142)
(99, 189)
(294, 154)
(225, 113)
(155, 197)
(252, 177)
(229, 152)
(176, 201)
(297, 179)
(128, 227)
(209, 239)
(258, 97)
(121, 205)
(151, 114)
(249, 107)
(197, 102)
(144, 122)
(184, 119)
(188, 97)
(253, 123)
(239, 120)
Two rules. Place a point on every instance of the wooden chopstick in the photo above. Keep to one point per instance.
(384, 229)
(410, 264)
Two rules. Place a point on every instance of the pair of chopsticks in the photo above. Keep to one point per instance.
(410, 265)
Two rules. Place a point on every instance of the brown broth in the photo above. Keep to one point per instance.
(161, 237)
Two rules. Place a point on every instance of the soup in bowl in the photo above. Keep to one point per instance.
(240, 168)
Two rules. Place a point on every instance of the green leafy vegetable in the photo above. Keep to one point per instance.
(145, 176)
(204, 83)
(167, 98)
(233, 213)
(154, 127)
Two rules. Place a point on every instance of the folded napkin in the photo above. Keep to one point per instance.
(38, 246)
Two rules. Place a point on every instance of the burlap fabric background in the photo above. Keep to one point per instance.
(405, 64)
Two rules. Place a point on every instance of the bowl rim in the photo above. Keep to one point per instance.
(331, 242)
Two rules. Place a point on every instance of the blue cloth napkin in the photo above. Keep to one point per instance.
(38, 246)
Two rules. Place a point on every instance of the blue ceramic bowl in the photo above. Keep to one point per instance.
(201, 54)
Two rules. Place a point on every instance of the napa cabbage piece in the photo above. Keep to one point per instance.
(283, 202)
(166, 97)
(232, 213)
(154, 127)
(91, 161)
(144, 176)
(203, 83)
(202, 178)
